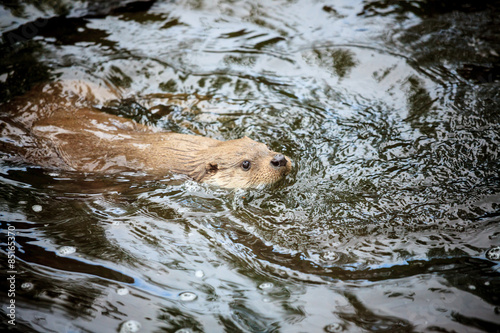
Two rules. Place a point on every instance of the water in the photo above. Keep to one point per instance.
(389, 221)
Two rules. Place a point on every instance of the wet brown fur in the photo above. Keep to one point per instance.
(52, 127)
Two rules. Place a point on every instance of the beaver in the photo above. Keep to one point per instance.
(52, 128)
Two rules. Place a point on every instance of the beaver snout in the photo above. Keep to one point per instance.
(279, 161)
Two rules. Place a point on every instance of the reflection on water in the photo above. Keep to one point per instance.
(389, 221)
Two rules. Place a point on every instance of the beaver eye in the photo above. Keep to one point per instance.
(245, 165)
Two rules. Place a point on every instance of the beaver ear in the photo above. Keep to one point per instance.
(211, 169)
(202, 171)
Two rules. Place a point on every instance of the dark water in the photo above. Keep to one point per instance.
(389, 222)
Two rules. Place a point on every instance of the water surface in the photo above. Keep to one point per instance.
(389, 221)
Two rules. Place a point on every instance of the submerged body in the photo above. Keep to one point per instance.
(46, 128)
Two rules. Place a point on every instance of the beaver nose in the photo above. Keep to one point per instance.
(278, 161)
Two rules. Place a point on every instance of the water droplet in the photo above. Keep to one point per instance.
(333, 328)
(36, 208)
(266, 285)
(471, 287)
(66, 250)
(199, 274)
(493, 253)
(122, 291)
(130, 326)
(27, 286)
(187, 296)
(22, 202)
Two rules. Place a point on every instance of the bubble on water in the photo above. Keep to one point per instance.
(333, 256)
(27, 286)
(250, 228)
(187, 296)
(130, 326)
(66, 250)
(122, 291)
(333, 328)
(493, 253)
(199, 274)
(471, 287)
(22, 202)
(266, 285)
(36, 208)
(184, 330)
(116, 211)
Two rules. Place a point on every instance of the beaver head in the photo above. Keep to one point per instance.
(240, 163)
